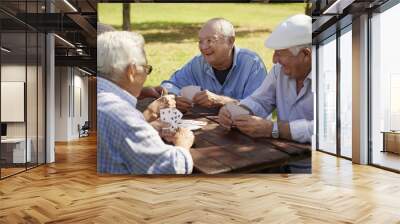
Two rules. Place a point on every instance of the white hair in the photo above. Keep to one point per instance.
(296, 49)
(118, 49)
(102, 28)
(224, 26)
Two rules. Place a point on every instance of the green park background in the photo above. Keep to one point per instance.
(170, 30)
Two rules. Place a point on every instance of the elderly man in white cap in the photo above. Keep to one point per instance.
(287, 88)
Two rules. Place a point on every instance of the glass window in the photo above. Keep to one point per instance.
(327, 95)
(22, 90)
(385, 89)
(346, 92)
(14, 153)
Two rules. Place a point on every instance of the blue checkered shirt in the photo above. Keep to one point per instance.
(126, 143)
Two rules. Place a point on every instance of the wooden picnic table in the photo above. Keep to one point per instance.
(217, 150)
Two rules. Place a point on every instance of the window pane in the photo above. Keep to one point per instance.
(385, 84)
(327, 96)
(15, 150)
(346, 94)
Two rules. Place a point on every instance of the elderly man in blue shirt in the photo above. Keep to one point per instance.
(224, 72)
(287, 88)
(126, 142)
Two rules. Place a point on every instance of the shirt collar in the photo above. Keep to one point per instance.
(104, 85)
(309, 76)
(235, 56)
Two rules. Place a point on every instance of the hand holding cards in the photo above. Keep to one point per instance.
(171, 116)
(236, 110)
(189, 91)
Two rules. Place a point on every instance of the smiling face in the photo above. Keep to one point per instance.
(294, 66)
(216, 48)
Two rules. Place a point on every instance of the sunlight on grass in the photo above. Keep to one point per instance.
(170, 30)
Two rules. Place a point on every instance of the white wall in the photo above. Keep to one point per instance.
(71, 87)
(14, 73)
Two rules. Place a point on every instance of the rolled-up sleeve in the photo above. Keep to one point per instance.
(181, 78)
(263, 100)
(301, 130)
(257, 76)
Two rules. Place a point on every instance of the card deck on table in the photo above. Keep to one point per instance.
(191, 124)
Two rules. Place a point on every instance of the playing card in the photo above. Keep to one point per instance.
(171, 116)
(189, 91)
(236, 110)
(191, 124)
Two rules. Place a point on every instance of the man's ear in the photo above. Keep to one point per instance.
(130, 72)
(231, 40)
(307, 53)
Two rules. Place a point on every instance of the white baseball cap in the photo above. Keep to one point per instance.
(294, 31)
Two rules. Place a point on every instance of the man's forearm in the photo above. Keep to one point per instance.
(225, 99)
(284, 130)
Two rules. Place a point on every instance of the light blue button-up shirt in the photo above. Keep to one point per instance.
(126, 143)
(279, 91)
(246, 75)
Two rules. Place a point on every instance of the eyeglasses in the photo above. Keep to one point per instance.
(209, 41)
(146, 68)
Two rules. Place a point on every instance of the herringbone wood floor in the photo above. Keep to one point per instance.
(70, 191)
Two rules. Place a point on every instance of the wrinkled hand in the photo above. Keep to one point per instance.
(167, 101)
(159, 125)
(182, 137)
(207, 99)
(183, 104)
(224, 118)
(253, 126)
(154, 92)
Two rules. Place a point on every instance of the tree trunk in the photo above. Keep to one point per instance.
(126, 12)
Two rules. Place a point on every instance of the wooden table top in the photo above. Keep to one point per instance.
(217, 150)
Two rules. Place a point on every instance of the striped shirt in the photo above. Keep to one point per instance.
(127, 143)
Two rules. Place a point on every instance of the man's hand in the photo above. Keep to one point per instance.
(154, 92)
(207, 99)
(152, 111)
(182, 137)
(253, 126)
(224, 118)
(183, 104)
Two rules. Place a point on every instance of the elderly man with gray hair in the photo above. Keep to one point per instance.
(224, 72)
(287, 88)
(126, 142)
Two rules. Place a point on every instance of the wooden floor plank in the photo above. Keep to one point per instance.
(70, 191)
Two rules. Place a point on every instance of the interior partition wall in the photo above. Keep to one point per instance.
(22, 77)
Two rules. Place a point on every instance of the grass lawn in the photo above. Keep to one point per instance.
(170, 30)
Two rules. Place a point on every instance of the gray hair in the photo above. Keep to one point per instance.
(224, 26)
(102, 28)
(296, 49)
(118, 49)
